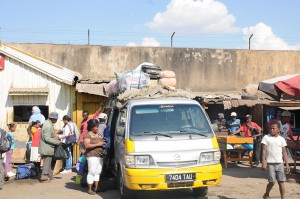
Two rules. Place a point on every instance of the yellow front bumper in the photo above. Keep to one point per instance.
(154, 179)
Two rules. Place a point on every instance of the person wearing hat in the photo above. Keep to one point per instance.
(47, 144)
(233, 124)
(220, 122)
(285, 126)
(103, 131)
(252, 129)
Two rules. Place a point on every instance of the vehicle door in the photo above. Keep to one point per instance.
(119, 141)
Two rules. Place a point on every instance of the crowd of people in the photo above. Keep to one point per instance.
(43, 139)
(270, 149)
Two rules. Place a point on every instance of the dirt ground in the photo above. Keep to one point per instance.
(239, 181)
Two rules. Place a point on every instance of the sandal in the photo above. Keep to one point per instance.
(91, 193)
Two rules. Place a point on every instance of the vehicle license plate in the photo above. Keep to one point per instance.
(182, 177)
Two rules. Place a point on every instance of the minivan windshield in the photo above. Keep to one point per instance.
(169, 119)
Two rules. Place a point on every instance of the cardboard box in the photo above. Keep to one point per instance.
(18, 155)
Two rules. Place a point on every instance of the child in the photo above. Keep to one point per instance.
(11, 127)
(273, 151)
(35, 157)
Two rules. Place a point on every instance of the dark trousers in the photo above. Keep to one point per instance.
(47, 167)
(257, 151)
(1, 172)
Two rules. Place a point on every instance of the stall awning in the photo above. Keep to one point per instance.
(293, 108)
(94, 89)
(28, 91)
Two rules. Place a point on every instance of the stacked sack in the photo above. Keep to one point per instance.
(167, 78)
(134, 79)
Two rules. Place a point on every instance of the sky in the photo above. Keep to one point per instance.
(224, 24)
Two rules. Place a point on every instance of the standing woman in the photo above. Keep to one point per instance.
(12, 127)
(36, 115)
(93, 144)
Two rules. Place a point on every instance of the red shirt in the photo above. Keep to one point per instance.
(36, 137)
(83, 126)
(247, 130)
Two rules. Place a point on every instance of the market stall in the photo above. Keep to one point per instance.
(234, 148)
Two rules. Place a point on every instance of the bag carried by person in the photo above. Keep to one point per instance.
(5, 141)
(26, 171)
(71, 139)
(61, 152)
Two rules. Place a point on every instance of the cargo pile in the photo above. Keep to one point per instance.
(146, 75)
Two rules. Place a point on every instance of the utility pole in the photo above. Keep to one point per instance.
(172, 39)
(250, 39)
(88, 36)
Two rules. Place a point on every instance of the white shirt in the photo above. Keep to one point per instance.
(274, 148)
(67, 129)
(284, 129)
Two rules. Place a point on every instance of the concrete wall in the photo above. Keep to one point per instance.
(196, 69)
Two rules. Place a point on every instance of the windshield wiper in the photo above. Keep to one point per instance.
(157, 133)
(192, 132)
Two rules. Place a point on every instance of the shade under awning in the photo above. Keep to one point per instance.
(28, 91)
(94, 89)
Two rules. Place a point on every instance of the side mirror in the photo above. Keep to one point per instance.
(121, 131)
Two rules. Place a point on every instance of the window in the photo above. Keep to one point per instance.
(173, 118)
(23, 113)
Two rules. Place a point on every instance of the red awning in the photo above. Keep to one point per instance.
(290, 86)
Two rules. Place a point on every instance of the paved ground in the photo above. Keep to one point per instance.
(238, 182)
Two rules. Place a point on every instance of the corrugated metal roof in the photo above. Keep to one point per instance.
(95, 89)
(232, 99)
(53, 70)
(28, 91)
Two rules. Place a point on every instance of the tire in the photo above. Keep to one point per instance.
(125, 193)
(200, 192)
(249, 97)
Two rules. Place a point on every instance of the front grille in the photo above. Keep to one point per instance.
(177, 164)
(180, 184)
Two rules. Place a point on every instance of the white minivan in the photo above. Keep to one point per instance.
(162, 144)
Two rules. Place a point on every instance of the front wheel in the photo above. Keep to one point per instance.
(200, 192)
(125, 193)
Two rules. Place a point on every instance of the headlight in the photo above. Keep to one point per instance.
(142, 160)
(138, 160)
(207, 157)
(210, 157)
(217, 156)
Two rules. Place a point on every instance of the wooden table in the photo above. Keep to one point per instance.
(235, 140)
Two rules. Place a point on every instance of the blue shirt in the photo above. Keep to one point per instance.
(12, 147)
(233, 125)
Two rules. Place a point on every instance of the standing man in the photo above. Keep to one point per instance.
(47, 145)
(233, 124)
(83, 126)
(285, 126)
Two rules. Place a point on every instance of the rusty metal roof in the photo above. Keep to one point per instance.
(232, 99)
(94, 89)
